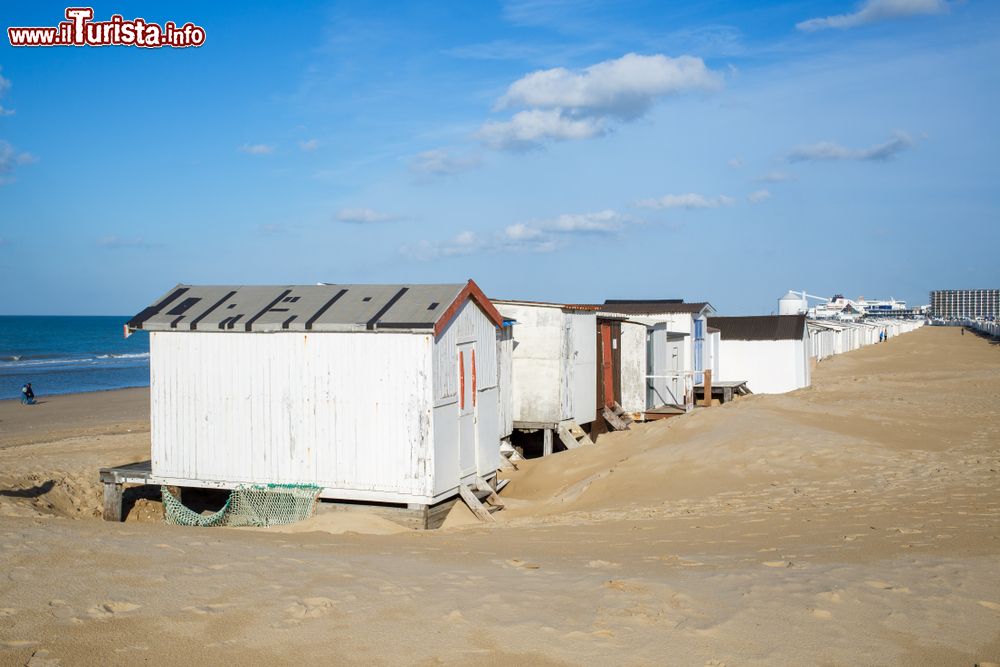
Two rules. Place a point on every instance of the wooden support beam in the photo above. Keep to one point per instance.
(707, 398)
(547, 442)
(113, 501)
(473, 502)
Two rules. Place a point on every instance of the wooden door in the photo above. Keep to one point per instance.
(466, 409)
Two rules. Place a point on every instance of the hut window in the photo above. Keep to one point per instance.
(367, 298)
(433, 306)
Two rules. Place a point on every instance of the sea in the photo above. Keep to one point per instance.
(65, 355)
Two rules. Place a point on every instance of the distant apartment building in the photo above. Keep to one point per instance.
(961, 303)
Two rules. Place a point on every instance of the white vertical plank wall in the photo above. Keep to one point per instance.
(348, 411)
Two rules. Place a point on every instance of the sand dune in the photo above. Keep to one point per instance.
(855, 522)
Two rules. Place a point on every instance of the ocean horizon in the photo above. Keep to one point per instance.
(68, 354)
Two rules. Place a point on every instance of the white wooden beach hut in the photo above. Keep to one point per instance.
(680, 348)
(554, 365)
(771, 352)
(376, 393)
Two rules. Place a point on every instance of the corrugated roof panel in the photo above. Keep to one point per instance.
(298, 308)
(761, 327)
(654, 306)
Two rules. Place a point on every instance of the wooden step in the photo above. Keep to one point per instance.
(474, 504)
(614, 421)
(566, 437)
(624, 416)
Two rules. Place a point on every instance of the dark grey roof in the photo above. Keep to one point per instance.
(654, 306)
(299, 308)
(761, 327)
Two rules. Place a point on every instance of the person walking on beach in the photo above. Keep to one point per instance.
(27, 395)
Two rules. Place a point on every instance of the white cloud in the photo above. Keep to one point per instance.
(364, 216)
(529, 129)
(776, 177)
(601, 221)
(10, 159)
(690, 200)
(439, 162)
(828, 150)
(273, 229)
(757, 196)
(625, 87)
(463, 243)
(113, 241)
(872, 11)
(536, 237)
(309, 145)
(4, 87)
(521, 232)
(257, 149)
(559, 104)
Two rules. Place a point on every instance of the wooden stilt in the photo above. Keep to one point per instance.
(707, 399)
(547, 442)
(113, 501)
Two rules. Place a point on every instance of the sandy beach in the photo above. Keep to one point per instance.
(853, 522)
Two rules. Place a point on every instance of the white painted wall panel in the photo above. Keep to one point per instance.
(344, 410)
(768, 366)
(505, 353)
(536, 362)
(633, 370)
(469, 325)
(583, 383)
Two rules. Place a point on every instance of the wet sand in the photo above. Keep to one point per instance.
(854, 522)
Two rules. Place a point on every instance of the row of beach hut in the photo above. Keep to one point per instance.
(406, 394)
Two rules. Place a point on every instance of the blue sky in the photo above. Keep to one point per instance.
(554, 150)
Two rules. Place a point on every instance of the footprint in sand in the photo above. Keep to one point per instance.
(990, 605)
(216, 608)
(778, 563)
(42, 658)
(822, 614)
(60, 608)
(514, 562)
(603, 563)
(111, 608)
(886, 586)
(623, 586)
(314, 607)
(7, 611)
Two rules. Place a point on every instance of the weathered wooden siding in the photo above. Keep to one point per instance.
(536, 362)
(768, 366)
(469, 325)
(583, 331)
(505, 380)
(633, 371)
(350, 412)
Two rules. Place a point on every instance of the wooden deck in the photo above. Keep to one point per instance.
(663, 412)
(724, 390)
